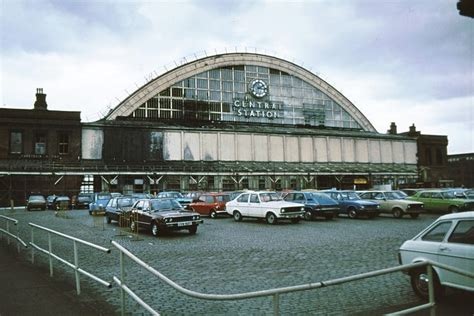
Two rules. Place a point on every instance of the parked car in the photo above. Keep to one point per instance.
(157, 215)
(49, 201)
(263, 204)
(211, 204)
(193, 195)
(118, 209)
(352, 205)
(36, 202)
(315, 204)
(442, 201)
(62, 202)
(82, 200)
(391, 203)
(448, 240)
(99, 202)
(469, 193)
(174, 195)
(411, 192)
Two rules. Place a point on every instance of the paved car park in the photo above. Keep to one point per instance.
(227, 257)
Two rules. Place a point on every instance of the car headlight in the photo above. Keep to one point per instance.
(282, 210)
(302, 209)
(408, 206)
(362, 207)
(378, 206)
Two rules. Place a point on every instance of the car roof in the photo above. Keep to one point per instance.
(460, 215)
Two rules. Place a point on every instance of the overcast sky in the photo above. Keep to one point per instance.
(397, 61)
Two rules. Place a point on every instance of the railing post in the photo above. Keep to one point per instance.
(32, 248)
(276, 304)
(122, 281)
(76, 267)
(8, 230)
(431, 292)
(50, 249)
(18, 236)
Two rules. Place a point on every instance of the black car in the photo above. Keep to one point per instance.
(62, 202)
(36, 202)
(157, 215)
(315, 204)
(82, 201)
(118, 209)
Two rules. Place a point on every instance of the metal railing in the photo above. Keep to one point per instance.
(7, 232)
(276, 292)
(75, 265)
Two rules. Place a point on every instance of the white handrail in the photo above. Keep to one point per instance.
(276, 291)
(9, 234)
(75, 265)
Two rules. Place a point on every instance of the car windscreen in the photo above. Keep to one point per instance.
(271, 196)
(123, 202)
(350, 196)
(164, 205)
(322, 198)
(448, 195)
(392, 196)
(36, 198)
(104, 197)
(223, 198)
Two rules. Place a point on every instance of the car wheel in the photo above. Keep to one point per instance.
(90, 212)
(397, 212)
(453, 209)
(108, 219)
(352, 213)
(154, 229)
(237, 216)
(271, 219)
(193, 229)
(295, 220)
(419, 283)
(308, 216)
(414, 216)
(213, 214)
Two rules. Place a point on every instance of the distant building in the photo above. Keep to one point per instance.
(461, 169)
(34, 145)
(432, 152)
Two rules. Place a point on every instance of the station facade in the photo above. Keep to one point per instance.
(224, 122)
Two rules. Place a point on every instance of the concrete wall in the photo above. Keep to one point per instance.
(258, 147)
(92, 143)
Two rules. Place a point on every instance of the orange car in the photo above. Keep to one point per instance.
(210, 204)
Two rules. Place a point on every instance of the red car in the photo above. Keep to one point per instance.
(210, 204)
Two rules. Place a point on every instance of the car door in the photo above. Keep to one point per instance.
(438, 203)
(380, 198)
(425, 197)
(255, 208)
(429, 244)
(458, 252)
(242, 204)
(199, 205)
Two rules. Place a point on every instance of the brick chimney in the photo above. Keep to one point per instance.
(393, 129)
(40, 103)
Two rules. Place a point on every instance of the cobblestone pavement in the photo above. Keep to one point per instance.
(226, 257)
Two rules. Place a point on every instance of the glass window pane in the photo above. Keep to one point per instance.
(189, 93)
(202, 84)
(239, 75)
(239, 87)
(202, 94)
(215, 74)
(438, 232)
(227, 86)
(190, 83)
(215, 95)
(215, 84)
(16, 142)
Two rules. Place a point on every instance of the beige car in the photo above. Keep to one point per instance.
(391, 202)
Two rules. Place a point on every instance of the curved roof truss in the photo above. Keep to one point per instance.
(150, 89)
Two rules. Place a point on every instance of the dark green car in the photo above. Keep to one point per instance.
(442, 201)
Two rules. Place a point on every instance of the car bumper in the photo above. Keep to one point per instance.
(290, 215)
(182, 225)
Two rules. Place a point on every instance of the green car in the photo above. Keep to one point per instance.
(442, 201)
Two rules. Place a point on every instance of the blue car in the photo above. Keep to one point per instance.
(99, 202)
(352, 205)
(176, 196)
(315, 204)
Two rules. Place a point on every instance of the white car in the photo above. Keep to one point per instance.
(264, 204)
(448, 240)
